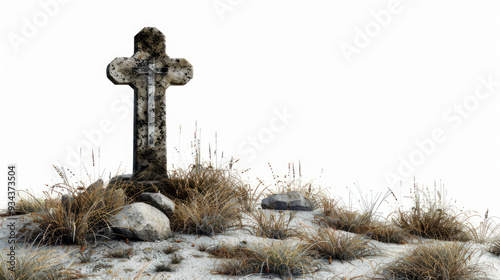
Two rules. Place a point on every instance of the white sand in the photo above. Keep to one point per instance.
(199, 265)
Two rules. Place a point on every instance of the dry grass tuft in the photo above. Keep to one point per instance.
(205, 197)
(494, 247)
(85, 255)
(207, 213)
(176, 259)
(228, 251)
(435, 261)
(181, 184)
(164, 268)
(35, 263)
(388, 234)
(170, 249)
(267, 225)
(29, 204)
(431, 216)
(344, 219)
(119, 254)
(286, 259)
(249, 198)
(78, 220)
(331, 244)
(432, 223)
(486, 231)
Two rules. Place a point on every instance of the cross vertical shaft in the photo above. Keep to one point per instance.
(151, 71)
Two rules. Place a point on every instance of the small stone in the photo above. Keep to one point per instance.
(95, 186)
(159, 201)
(287, 201)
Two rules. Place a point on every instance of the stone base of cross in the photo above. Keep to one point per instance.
(150, 71)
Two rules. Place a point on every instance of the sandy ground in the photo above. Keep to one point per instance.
(200, 265)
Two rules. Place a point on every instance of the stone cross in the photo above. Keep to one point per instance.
(150, 71)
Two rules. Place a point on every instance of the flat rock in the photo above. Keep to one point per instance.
(141, 221)
(287, 201)
(159, 201)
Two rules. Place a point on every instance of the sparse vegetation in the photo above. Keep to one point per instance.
(207, 213)
(286, 259)
(249, 198)
(451, 261)
(176, 259)
(74, 221)
(486, 231)
(331, 244)
(101, 266)
(209, 200)
(432, 218)
(35, 263)
(170, 249)
(228, 250)
(85, 255)
(168, 267)
(29, 204)
(494, 247)
(388, 233)
(200, 178)
(268, 225)
(203, 247)
(293, 182)
(119, 254)
(341, 218)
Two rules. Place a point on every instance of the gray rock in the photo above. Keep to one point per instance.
(287, 201)
(96, 185)
(159, 201)
(141, 221)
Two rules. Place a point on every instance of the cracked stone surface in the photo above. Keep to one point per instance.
(150, 71)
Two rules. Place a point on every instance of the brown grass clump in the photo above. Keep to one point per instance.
(486, 231)
(74, 221)
(181, 184)
(344, 219)
(388, 233)
(170, 249)
(164, 267)
(207, 213)
(206, 198)
(119, 254)
(35, 263)
(432, 216)
(432, 223)
(331, 244)
(494, 247)
(29, 204)
(268, 225)
(228, 250)
(435, 261)
(286, 259)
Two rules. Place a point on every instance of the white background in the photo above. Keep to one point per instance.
(355, 117)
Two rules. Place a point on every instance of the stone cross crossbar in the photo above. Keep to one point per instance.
(150, 71)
